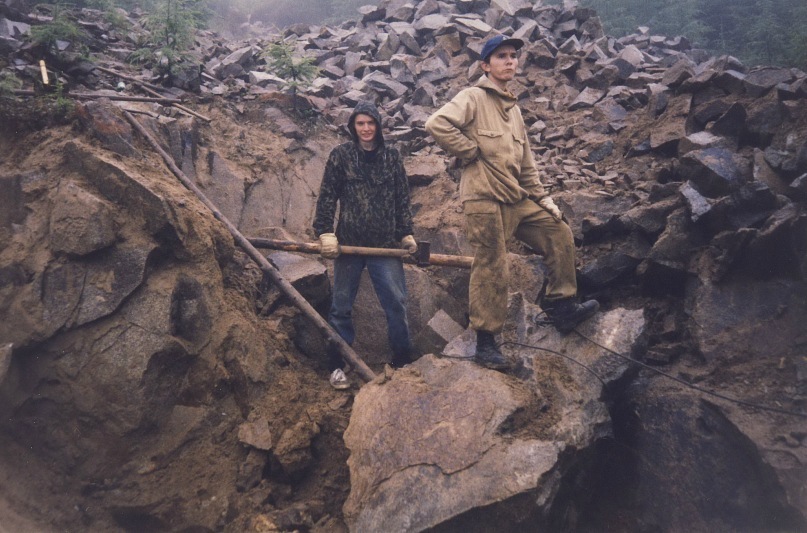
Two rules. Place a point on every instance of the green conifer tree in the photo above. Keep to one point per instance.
(296, 71)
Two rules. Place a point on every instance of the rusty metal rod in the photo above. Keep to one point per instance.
(313, 248)
(285, 287)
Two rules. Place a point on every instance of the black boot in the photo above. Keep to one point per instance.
(488, 354)
(566, 313)
(401, 360)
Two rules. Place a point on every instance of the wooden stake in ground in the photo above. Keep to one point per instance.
(280, 282)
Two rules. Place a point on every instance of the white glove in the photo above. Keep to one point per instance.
(328, 246)
(408, 243)
(549, 205)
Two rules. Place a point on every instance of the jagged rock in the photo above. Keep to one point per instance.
(694, 463)
(475, 26)
(371, 13)
(308, 275)
(778, 249)
(12, 29)
(591, 219)
(587, 98)
(404, 13)
(235, 65)
(263, 79)
(388, 45)
(715, 171)
(731, 81)
(698, 205)
(188, 78)
(256, 434)
(707, 111)
(106, 123)
(293, 448)
(285, 125)
(250, 471)
(80, 223)
(701, 141)
(475, 461)
(765, 116)
(650, 219)
(767, 175)
(678, 73)
(514, 8)
(384, 84)
(678, 241)
(423, 170)
(607, 271)
(74, 294)
(759, 81)
(430, 23)
(732, 314)
(732, 122)
(126, 191)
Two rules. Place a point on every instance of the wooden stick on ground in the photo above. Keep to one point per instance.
(117, 97)
(285, 287)
(152, 90)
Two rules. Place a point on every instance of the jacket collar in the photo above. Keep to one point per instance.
(506, 98)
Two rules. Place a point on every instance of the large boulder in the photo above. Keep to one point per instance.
(466, 437)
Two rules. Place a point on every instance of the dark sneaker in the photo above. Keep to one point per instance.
(488, 354)
(566, 314)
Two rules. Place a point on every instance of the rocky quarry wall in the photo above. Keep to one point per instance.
(153, 380)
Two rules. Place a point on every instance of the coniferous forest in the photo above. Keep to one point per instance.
(769, 32)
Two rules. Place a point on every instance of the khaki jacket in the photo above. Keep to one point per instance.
(484, 128)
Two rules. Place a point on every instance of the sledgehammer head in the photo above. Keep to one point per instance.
(423, 253)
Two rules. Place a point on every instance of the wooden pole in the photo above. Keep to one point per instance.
(125, 77)
(117, 97)
(280, 282)
(458, 261)
(152, 90)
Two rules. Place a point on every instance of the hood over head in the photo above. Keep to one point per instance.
(366, 108)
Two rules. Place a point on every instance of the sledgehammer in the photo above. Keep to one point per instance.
(423, 257)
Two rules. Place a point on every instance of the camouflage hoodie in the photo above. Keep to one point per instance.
(371, 189)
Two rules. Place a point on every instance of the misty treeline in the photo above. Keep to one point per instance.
(769, 32)
(759, 32)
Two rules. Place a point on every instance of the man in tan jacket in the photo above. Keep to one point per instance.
(503, 196)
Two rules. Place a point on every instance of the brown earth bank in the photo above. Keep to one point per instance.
(152, 379)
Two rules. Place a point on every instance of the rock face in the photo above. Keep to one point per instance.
(466, 438)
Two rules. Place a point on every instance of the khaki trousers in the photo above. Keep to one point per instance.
(488, 225)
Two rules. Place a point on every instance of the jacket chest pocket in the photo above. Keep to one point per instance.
(491, 143)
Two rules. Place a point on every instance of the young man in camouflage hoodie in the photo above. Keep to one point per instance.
(367, 178)
(503, 196)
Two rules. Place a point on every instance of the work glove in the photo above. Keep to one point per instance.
(328, 245)
(408, 243)
(549, 205)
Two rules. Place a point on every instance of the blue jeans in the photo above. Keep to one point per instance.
(388, 279)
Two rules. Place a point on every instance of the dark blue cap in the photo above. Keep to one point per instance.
(499, 40)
